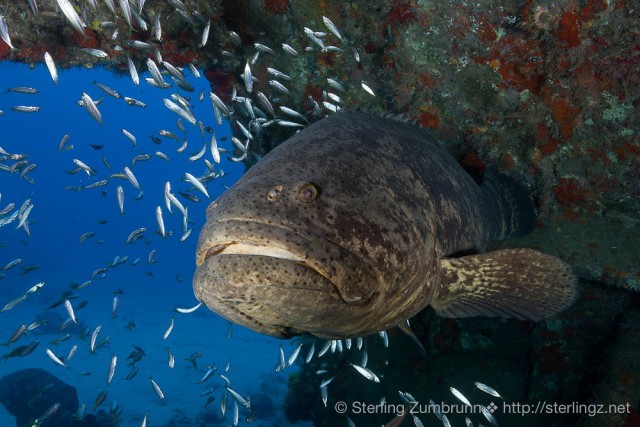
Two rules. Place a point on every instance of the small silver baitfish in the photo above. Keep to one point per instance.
(71, 15)
(17, 334)
(94, 337)
(4, 32)
(109, 91)
(131, 177)
(185, 114)
(63, 141)
(120, 196)
(55, 358)
(357, 223)
(197, 184)
(173, 71)
(157, 388)
(133, 72)
(160, 221)
(112, 369)
(33, 4)
(134, 102)
(91, 107)
(23, 89)
(26, 108)
(129, 136)
(126, 11)
(204, 38)
(290, 50)
(168, 331)
(95, 52)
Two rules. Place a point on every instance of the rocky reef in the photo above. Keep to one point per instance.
(36, 397)
(547, 92)
(29, 394)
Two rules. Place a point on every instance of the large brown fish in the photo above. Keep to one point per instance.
(357, 223)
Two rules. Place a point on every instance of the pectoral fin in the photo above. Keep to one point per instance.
(520, 283)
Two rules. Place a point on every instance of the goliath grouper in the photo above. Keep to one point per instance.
(358, 222)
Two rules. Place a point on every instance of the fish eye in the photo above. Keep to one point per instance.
(274, 193)
(309, 192)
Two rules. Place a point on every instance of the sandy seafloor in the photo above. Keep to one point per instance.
(151, 292)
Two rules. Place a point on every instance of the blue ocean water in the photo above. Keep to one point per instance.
(148, 293)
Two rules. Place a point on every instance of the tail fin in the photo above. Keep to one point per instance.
(514, 204)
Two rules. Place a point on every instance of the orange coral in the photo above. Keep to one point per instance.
(472, 162)
(519, 61)
(429, 117)
(276, 6)
(4, 49)
(89, 39)
(569, 30)
(568, 191)
(402, 12)
(565, 114)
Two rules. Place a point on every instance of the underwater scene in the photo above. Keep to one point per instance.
(319, 213)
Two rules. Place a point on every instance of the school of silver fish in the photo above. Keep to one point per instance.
(253, 106)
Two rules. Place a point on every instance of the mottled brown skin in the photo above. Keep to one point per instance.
(391, 205)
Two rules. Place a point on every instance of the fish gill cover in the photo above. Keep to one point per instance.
(548, 93)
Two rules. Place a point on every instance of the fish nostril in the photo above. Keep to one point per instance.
(211, 208)
(274, 193)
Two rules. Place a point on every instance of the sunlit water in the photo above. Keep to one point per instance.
(150, 292)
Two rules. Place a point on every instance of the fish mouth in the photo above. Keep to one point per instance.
(252, 249)
(246, 238)
(237, 303)
(239, 248)
(278, 281)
